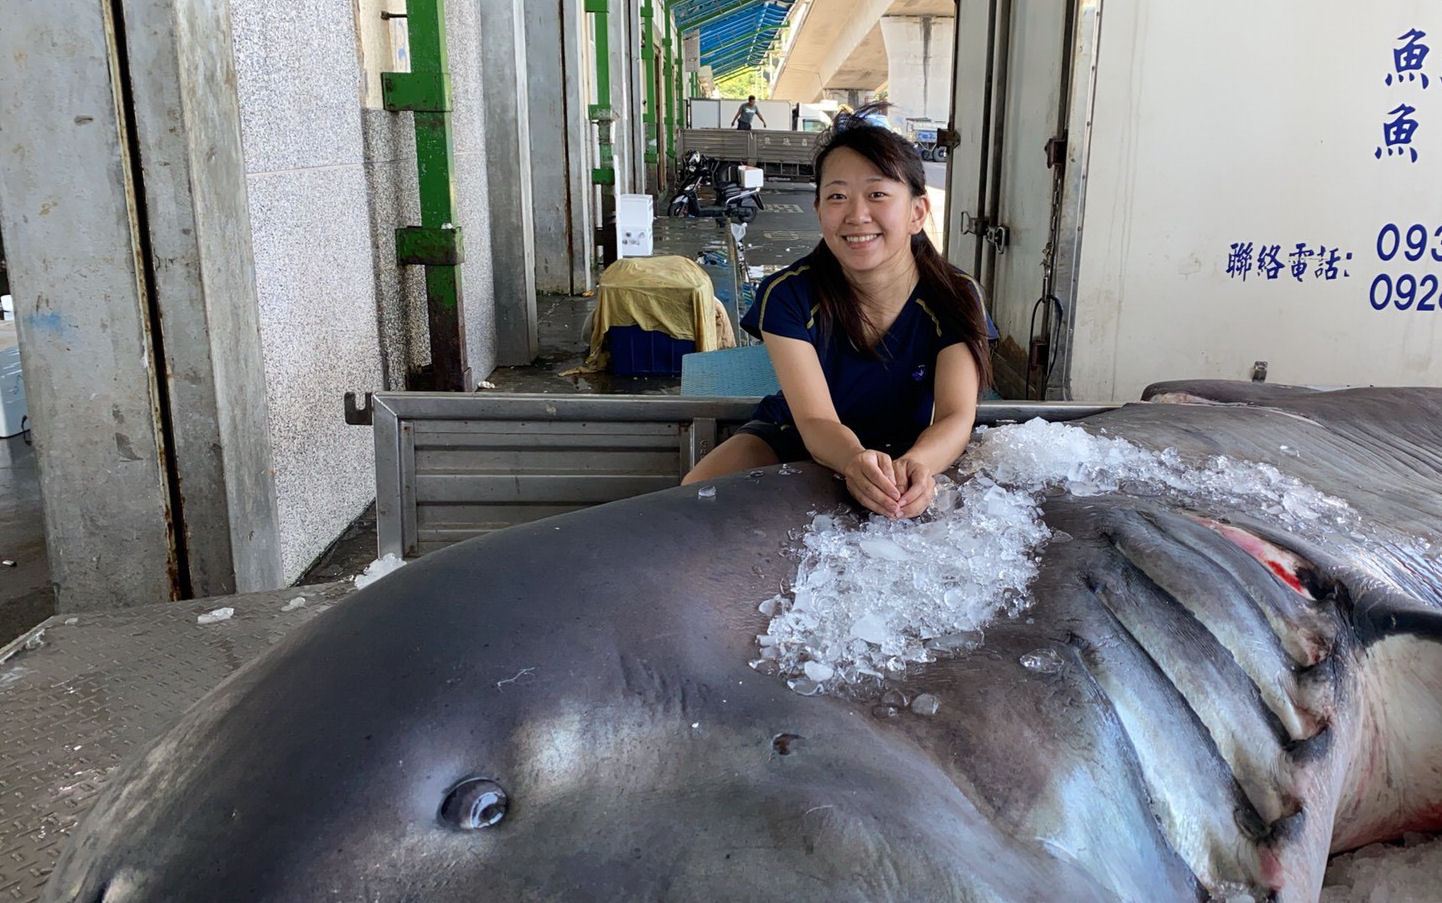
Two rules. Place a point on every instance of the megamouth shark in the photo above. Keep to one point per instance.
(564, 710)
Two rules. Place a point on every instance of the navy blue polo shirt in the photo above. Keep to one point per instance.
(886, 398)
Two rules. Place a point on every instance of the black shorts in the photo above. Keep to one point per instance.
(785, 440)
(744, 126)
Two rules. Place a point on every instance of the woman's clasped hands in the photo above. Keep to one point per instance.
(894, 488)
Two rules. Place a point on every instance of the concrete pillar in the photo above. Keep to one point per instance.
(470, 136)
(182, 65)
(122, 194)
(508, 174)
(560, 178)
(299, 79)
(577, 132)
(620, 36)
(636, 88)
(918, 65)
(852, 97)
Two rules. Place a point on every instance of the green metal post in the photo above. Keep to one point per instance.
(601, 113)
(436, 242)
(680, 83)
(649, 119)
(670, 90)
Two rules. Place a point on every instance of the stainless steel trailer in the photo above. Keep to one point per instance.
(450, 466)
(80, 694)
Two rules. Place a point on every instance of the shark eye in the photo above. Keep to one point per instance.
(473, 804)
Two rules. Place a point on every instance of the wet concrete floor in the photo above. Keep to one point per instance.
(25, 595)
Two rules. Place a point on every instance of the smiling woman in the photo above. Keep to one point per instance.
(878, 343)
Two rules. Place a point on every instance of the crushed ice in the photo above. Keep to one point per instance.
(1043, 661)
(926, 705)
(872, 597)
(215, 616)
(378, 569)
(1384, 871)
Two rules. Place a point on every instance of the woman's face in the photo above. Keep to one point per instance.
(867, 219)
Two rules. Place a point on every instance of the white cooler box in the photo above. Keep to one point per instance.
(752, 176)
(12, 385)
(634, 234)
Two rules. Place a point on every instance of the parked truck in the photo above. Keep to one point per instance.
(783, 147)
(780, 154)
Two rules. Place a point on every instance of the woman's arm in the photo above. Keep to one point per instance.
(958, 384)
(869, 474)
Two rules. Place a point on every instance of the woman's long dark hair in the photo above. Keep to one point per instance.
(952, 296)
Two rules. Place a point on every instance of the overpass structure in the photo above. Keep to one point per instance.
(850, 51)
(811, 50)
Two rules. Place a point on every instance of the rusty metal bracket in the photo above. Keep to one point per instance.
(358, 415)
(418, 92)
(424, 246)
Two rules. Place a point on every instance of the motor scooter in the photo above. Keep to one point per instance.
(731, 200)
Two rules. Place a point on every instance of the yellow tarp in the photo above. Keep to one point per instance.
(662, 294)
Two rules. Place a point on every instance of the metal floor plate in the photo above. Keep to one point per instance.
(77, 705)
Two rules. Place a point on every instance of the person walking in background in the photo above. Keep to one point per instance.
(747, 112)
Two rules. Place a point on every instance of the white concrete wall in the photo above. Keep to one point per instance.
(1236, 121)
(328, 182)
(300, 104)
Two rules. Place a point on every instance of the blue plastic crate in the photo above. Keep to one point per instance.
(642, 352)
